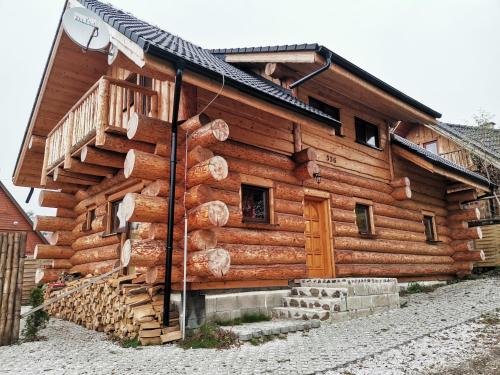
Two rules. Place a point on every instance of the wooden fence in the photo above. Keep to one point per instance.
(12, 250)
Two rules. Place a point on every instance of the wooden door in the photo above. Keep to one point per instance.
(318, 238)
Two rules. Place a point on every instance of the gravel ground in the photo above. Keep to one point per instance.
(437, 333)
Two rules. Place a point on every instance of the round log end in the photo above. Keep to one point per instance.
(152, 275)
(203, 239)
(128, 206)
(220, 130)
(218, 168)
(35, 253)
(219, 262)
(482, 256)
(133, 124)
(218, 213)
(125, 253)
(128, 165)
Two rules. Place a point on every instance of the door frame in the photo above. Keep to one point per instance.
(324, 197)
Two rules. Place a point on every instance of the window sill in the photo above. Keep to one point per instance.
(367, 145)
(368, 235)
(104, 235)
(433, 242)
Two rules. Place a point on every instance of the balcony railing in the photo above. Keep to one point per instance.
(460, 157)
(107, 105)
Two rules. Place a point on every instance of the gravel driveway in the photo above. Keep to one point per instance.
(437, 333)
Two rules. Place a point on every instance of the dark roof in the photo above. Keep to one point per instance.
(162, 44)
(439, 160)
(487, 140)
(340, 61)
(20, 209)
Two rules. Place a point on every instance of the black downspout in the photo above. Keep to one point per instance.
(171, 198)
(313, 74)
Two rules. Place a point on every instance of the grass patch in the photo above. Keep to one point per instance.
(210, 336)
(246, 318)
(414, 288)
(490, 319)
(130, 343)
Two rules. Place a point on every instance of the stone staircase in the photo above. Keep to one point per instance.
(338, 299)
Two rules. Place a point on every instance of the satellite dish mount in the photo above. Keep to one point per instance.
(86, 29)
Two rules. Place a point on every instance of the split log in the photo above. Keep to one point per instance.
(104, 158)
(254, 237)
(209, 171)
(259, 254)
(367, 257)
(43, 251)
(97, 254)
(469, 256)
(147, 129)
(95, 240)
(95, 268)
(44, 276)
(473, 233)
(61, 263)
(61, 238)
(389, 246)
(305, 155)
(465, 215)
(393, 270)
(213, 132)
(307, 170)
(56, 199)
(462, 196)
(52, 223)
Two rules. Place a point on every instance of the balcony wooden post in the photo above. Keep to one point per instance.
(43, 177)
(102, 111)
(69, 140)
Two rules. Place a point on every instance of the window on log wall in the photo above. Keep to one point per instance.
(430, 227)
(432, 147)
(255, 204)
(87, 225)
(367, 133)
(113, 222)
(364, 219)
(326, 108)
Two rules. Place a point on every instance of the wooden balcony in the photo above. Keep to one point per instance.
(105, 108)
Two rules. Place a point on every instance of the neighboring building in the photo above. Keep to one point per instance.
(14, 219)
(476, 148)
(305, 182)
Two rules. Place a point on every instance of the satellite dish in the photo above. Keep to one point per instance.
(85, 28)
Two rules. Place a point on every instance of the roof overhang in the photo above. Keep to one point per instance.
(345, 79)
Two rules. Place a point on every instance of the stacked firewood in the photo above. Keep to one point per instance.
(12, 249)
(124, 307)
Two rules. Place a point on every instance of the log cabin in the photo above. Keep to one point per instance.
(264, 164)
(476, 148)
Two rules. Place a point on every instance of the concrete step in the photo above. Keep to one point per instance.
(355, 286)
(258, 330)
(328, 304)
(319, 292)
(301, 313)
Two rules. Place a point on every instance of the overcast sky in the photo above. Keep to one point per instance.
(443, 53)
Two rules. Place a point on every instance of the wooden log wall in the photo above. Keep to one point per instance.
(12, 251)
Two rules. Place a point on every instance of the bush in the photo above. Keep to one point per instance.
(246, 318)
(418, 288)
(37, 320)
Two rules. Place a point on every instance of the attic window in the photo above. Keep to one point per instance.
(431, 146)
(330, 110)
(367, 133)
